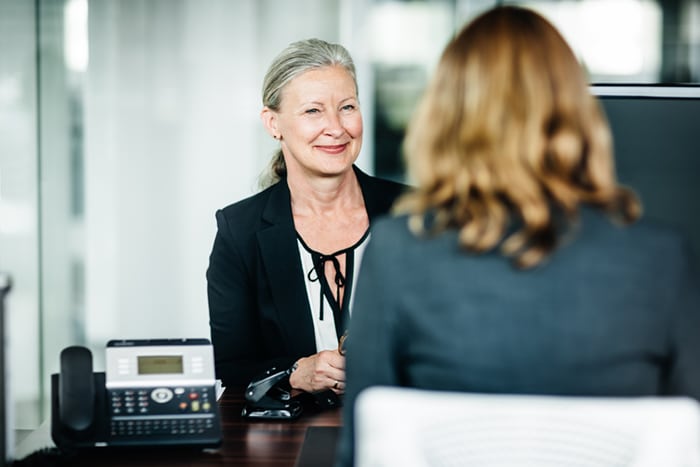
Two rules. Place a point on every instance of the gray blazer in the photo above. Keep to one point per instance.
(259, 312)
(616, 312)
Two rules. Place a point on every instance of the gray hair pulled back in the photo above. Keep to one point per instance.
(298, 58)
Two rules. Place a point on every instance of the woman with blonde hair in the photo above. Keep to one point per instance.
(508, 269)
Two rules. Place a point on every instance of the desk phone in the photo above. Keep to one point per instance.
(154, 392)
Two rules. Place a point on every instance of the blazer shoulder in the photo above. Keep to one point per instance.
(668, 241)
(645, 235)
(245, 217)
(379, 193)
(392, 232)
(381, 184)
(253, 202)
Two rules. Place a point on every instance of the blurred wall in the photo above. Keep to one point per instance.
(19, 203)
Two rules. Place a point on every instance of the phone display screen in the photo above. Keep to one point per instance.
(160, 364)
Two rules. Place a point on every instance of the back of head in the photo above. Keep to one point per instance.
(298, 58)
(508, 130)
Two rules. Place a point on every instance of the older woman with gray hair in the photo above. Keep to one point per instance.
(285, 260)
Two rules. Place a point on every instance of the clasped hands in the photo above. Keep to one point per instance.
(321, 371)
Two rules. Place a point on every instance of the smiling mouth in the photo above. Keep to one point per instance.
(333, 149)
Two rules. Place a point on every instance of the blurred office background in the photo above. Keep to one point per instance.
(124, 125)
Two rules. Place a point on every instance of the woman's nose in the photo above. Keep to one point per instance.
(334, 125)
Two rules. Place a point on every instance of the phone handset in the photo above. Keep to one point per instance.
(76, 390)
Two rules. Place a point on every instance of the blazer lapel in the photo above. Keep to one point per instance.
(280, 257)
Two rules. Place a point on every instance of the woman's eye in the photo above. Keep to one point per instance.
(348, 107)
(312, 111)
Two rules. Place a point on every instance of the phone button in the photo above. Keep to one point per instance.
(162, 395)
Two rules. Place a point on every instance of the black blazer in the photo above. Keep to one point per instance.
(259, 312)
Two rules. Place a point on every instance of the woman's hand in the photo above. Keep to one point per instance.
(324, 370)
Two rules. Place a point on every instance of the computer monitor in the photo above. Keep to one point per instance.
(655, 131)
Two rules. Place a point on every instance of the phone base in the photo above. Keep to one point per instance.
(103, 435)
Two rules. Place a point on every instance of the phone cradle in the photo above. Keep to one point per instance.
(71, 433)
(269, 408)
(269, 397)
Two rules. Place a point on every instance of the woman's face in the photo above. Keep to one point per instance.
(319, 123)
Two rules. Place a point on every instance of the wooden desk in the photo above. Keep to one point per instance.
(245, 442)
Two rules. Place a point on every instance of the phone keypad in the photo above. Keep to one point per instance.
(162, 427)
(161, 400)
(129, 402)
(162, 412)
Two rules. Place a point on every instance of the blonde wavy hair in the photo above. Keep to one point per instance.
(507, 138)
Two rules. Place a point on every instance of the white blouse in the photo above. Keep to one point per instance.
(325, 310)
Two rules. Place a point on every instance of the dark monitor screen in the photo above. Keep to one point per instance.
(656, 133)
